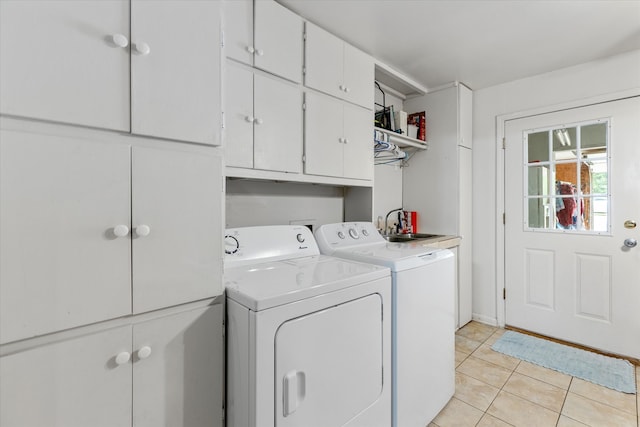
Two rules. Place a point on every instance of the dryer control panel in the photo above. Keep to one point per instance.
(267, 243)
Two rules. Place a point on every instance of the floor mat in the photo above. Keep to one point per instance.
(617, 374)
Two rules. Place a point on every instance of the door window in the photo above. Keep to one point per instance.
(566, 178)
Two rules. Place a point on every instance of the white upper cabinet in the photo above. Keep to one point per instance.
(258, 134)
(338, 140)
(80, 219)
(66, 61)
(266, 35)
(175, 70)
(334, 67)
(75, 62)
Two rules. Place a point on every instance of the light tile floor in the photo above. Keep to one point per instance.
(493, 389)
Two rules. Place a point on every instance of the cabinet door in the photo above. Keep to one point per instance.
(59, 61)
(68, 383)
(181, 381)
(238, 30)
(239, 117)
(278, 40)
(61, 265)
(358, 146)
(175, 85)
(177, 257)
(358, 77)
(324, 62)
(323, 135)
(278, 125)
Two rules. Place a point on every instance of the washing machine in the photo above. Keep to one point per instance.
(423, 322)
(308, 335)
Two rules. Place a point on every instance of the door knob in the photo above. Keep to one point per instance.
(121, 230)
(123, 358)
(143, 230)
(142, 48)
(630, 243)
(629, 224)
(119, 40)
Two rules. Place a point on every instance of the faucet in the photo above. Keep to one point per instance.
(386, 227)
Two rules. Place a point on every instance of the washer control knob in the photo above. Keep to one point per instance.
(354, 233)
(231, 245)
(365, 233)
(341, 234)
(300, 238)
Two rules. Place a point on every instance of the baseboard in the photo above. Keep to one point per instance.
(491, 321)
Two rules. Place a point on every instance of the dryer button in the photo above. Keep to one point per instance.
(354, 233)
(341, 234)
(300, 238)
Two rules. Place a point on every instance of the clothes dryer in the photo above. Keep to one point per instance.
(308, 335)
(423, 322)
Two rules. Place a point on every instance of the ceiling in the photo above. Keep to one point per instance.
(480, 43)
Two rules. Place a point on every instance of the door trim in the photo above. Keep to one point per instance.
(501, 122)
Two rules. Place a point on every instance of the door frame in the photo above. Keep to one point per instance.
(501, 122)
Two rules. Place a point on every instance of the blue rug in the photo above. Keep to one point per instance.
(617, 374)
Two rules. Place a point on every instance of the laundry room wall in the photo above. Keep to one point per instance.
(608, 76)
(250, 203)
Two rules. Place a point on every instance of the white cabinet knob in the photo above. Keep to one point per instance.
(346, 89)
(341, 87)
(249, 119)
(143, 230)
(250, 49)
(119, 40)
(144, 352)
(142, 48)
(258, 121)
(345, 140)
(259, 52)
(121, 230)
(123, 358)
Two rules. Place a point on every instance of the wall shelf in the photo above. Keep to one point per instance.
(404, 141)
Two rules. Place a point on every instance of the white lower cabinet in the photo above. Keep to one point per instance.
(338, 138)
(259, 135)
(96, 230)
(172, 375)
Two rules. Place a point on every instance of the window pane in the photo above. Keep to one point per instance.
(596, 181)
(598, 212)
(538, 181)
(540, 213)
(593, 136)
(538, 147)
(565, 144)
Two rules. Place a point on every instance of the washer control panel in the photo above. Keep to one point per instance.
(344, 234)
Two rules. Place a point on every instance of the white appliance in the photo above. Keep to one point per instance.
(423, 322)
(308, 335)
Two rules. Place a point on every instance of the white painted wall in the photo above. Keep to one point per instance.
(250, 203)
(614, 74)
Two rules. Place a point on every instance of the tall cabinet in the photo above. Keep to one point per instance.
(438, 182)
(111, 306)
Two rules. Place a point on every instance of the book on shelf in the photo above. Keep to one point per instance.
(419, 120)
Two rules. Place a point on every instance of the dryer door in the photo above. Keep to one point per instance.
(329, 364)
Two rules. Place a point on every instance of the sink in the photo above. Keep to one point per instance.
(408, 237)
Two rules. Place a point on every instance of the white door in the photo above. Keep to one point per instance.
(277, 132)
(323, 135)
(175, 70)
(358, 75)
(239, 117)
(178, 369)
(278, 40)
(324, 62)
(568, 272)
(60, 61)
(358, 150)
(69, 383)
(329, 364)
(61, 264)
(176, 226)
(238, 30)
